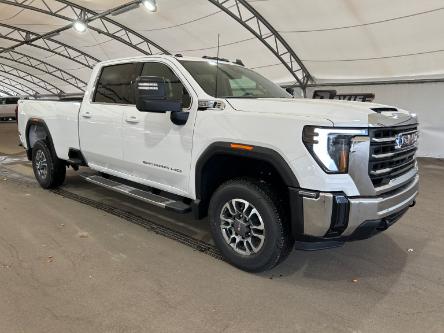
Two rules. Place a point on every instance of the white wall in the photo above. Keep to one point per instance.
(424, 99)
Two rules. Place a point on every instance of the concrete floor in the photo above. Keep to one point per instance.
(68, 267)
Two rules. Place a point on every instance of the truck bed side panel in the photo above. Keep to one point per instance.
(61, 118)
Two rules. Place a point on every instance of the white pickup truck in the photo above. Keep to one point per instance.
(8, 107)
(218, 139)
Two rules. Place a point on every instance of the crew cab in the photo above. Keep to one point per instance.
(218, 139)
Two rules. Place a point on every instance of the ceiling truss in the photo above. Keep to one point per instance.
(18, 86)
(239, 10)
(48, 44)
(98, 22)
(45, 67)
(34, 80)
(70, 12)
(254, 22)
(7, 91)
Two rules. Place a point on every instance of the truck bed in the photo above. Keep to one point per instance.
(61, 118)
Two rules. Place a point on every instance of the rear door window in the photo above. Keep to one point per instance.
(116, 84)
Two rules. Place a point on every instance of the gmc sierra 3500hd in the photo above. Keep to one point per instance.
(267, 168)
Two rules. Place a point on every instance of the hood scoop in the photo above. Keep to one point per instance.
(384, 109)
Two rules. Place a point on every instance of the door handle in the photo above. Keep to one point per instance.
(132, 119)
(86, 114)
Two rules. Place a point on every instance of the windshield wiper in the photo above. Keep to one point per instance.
(249, 97)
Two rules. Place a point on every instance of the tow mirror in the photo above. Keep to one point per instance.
(151, 95)
(290, 91)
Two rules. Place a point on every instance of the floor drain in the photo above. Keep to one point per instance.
(157, 228)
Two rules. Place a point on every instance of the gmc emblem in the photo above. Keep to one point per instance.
(404, 140)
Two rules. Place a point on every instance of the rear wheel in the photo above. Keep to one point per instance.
(249, 225)
(48, 169)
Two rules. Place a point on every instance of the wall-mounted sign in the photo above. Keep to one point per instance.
(333, 94)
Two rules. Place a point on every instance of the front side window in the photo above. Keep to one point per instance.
(175, 89)
(116, 84)
(232, 81)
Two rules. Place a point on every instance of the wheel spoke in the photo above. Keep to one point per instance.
(253, 212)
(227, 221)
(250, 244)
(247, 243)
(257, 227)
(231, 208)
(246, 206)
(261, 237)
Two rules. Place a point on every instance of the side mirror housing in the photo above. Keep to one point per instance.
(151, 95)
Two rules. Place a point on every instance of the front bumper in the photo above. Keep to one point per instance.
(323, 216)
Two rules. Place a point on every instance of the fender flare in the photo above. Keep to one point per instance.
(257, 152)
(42, 123)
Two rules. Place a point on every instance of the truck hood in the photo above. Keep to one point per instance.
(340, 113)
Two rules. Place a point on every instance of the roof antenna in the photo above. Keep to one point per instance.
(217, 63)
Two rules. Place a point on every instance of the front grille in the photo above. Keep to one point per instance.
(386, 160)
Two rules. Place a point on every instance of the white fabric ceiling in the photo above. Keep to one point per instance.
(337, 40)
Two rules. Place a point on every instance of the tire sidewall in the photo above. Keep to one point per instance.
(272, 247)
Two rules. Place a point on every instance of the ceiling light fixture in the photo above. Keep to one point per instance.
(80, 26)
(150, 5)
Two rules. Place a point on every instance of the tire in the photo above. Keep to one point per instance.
(49, 171)
(253, 244)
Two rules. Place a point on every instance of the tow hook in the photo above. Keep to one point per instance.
(413, 203)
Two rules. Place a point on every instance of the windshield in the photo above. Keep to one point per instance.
(233, 81)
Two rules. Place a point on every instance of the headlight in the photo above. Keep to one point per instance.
(330, 147)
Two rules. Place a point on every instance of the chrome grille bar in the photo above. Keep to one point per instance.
(387, 161)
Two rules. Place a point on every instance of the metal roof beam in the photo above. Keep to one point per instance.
(45, 67)
(255, 23)
(47, 44)
(105, 25)
(7, 91)
(24, 89)
(34, 80)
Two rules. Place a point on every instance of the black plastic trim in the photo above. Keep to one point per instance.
(40, 122)
(76, 154)
(339, 216)
(297, 212)
(257, 153)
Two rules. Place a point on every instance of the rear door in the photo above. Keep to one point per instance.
(100, 120)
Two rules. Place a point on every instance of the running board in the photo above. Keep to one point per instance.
(146, 196)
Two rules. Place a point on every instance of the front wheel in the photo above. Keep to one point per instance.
(249, 225)
(48, 169)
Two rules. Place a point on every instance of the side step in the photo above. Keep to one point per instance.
(149, 197)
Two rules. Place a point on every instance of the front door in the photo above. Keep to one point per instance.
(156, 151)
